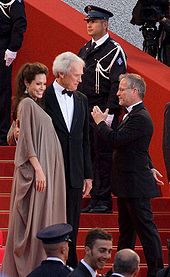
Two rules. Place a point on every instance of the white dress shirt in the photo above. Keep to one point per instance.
(66, 104)
(55, 259)
(117, 274)
(130, 108)
(101, 40)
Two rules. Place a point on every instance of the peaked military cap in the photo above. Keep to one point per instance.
(55, 233)
(97, 12)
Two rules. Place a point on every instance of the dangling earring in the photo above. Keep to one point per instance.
(26, 91)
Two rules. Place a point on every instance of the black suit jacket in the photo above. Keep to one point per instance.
(80, 271)
(50, 268)
(132, 176)
(166, 139)
(75, 144)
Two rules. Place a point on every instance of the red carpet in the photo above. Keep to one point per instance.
(161, 208)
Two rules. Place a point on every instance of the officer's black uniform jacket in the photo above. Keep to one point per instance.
(12, 26)
(105, 53)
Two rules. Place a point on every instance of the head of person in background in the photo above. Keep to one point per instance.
(30, 82)
(55, 240)
(126, 263)
(98, 248)
(68, 69)
(97, 21)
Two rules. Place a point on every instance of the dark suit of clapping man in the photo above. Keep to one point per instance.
(68, 109)
(134, 178)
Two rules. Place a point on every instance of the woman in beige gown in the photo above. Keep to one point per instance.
(38, 192)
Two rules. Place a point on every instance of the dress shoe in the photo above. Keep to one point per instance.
(100, 209)
(86, 209)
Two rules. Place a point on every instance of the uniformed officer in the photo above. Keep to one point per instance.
(55, 240)
(12, 27)
(105, 60)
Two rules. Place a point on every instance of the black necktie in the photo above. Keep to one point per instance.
(91, 48)
(93, 45)
(68, 92)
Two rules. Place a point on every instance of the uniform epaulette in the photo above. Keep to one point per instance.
(114, 42)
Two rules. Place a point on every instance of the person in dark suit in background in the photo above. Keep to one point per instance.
(134, 178)
(166, 140)
(68, 109)
(98, 249)
(55, 240)
(12, 26)
(104, 60)
(126, 264)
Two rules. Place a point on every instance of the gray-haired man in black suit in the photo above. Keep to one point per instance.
(68, 109)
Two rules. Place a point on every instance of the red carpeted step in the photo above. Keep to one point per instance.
(4, 235)
(1, 238)
(160, 204)
(4, 216)
(7, 152)
(4, 201)
(164, 234)
(5, 184)
(6, 168)
(99, 220)
(139, 250)
(2, 249)
(88, 220)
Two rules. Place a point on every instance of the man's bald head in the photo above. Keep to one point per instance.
(126, 262)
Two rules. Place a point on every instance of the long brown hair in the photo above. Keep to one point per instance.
(26, 73)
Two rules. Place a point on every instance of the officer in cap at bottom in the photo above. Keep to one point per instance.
(55, 240)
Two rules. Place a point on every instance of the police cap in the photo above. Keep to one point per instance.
(94, 12)
(55, 233)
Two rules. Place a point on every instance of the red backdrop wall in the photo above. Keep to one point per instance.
(55, 27)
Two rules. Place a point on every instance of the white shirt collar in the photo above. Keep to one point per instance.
(55, 259)
(117, 274)
(93, 273)
(101, 40)
(57, 87)
(131, 107)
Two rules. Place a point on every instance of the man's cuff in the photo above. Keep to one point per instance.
(11, 54)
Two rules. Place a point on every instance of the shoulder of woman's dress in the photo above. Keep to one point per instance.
(27, 101)
(26, 104)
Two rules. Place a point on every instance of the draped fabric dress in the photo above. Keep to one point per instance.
(31, 210)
